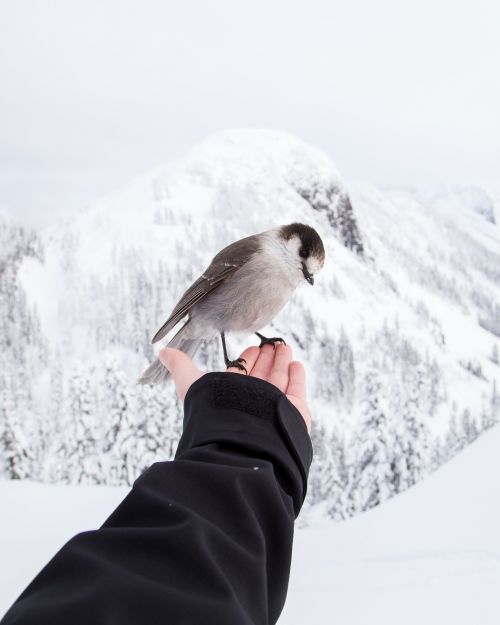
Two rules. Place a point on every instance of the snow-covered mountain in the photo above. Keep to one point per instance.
(400, 334)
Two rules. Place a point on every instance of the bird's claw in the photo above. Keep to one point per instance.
(237, 364)
(271, 341)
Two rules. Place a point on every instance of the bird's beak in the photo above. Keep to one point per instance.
(308, 276)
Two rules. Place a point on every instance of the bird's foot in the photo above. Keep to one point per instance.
(236, 363)
(270, 341)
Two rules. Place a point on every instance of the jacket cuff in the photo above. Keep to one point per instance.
(254, 416)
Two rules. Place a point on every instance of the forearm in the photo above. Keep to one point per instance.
(205, 538)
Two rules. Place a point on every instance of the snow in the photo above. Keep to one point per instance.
(37, 519)
(238, 182)
(416, 299)
(430, 555)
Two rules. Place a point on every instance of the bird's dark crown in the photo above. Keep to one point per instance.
(311, 243)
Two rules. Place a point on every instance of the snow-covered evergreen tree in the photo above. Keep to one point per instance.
(372, 479)
(344, 370)
(417, 437)
(321, 473)
(495, 358)
(16, 453)
(82, 444)
(326, 362)
(469, 427)
(119, 425)
(339, 479)
(454, 439)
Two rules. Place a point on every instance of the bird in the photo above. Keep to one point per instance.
(242, 290)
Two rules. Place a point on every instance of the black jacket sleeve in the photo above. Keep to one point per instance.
(205, 538)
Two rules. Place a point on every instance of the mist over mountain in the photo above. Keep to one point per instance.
(400, 334)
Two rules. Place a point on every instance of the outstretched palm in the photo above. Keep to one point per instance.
(272, 364)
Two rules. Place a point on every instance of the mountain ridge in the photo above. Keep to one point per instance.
(398, 334)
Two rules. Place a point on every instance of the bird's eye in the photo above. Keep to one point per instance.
(303, 253)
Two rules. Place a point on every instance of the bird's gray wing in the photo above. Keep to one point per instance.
(227, 262)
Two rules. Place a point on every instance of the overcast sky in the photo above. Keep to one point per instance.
(94, 92)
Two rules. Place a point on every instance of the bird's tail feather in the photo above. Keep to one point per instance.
(157, 373)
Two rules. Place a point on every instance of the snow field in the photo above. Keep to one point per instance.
(430, 555)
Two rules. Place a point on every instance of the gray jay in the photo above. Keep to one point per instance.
(242, 290)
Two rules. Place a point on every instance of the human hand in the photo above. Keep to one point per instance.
(272, 364)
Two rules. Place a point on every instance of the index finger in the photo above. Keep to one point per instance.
(250, 355)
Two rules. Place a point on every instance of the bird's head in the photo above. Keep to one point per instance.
(305, 248)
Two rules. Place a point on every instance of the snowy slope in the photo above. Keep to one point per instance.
(430, 555)
(399, 332)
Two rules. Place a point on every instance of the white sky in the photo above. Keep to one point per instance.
(93, 92)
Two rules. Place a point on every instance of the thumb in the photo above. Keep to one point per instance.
(183, 370)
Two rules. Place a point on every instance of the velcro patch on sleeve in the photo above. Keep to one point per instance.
(234, 395)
